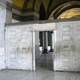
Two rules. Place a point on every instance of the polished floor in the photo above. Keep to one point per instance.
(41, 74)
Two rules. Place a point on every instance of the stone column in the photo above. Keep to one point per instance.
(2, 25)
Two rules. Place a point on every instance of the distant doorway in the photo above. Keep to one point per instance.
(44, 60)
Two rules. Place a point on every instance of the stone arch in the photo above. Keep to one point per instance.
(63, 7)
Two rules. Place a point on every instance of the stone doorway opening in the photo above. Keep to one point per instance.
(44, 50)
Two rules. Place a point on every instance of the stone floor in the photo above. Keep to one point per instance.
(41, 74)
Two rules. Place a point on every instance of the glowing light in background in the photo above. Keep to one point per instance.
(71, 13)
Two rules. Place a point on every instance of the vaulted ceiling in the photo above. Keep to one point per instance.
(40, 9)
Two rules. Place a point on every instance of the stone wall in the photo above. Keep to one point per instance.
(19, 47)
(67, 47)
(66, 43)
(2, 24)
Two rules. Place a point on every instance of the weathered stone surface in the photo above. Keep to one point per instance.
(2, 24)
(18, 48)
(67, 47)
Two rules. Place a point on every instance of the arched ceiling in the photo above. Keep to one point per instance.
(30, 9)
(71, 13)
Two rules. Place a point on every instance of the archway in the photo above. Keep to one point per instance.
(65, 7)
